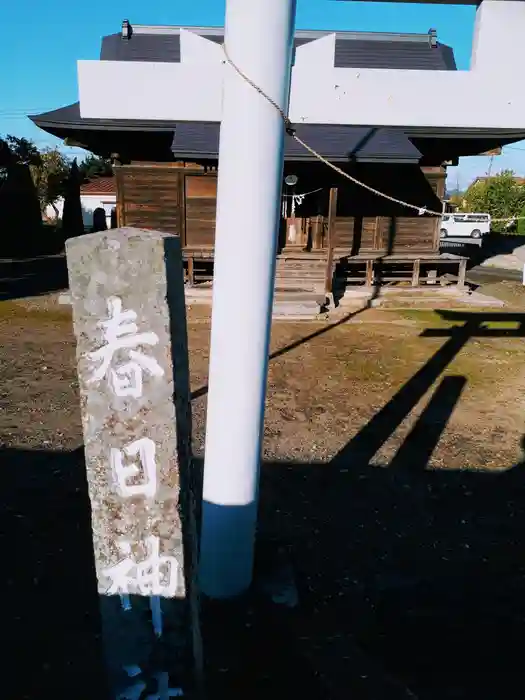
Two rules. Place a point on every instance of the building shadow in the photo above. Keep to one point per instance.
(65, 640)
(48, 581)
(32, 277)
(492, 245)
(406, 575)
(406, 572)
(410, 580)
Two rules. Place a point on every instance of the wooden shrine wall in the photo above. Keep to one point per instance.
(168, 197)
(399, 230)
(183, 201)
(150, 197)
(201, 204)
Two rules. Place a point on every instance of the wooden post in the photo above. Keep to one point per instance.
(462, 273)
(119, 197)
(191, 271)
(369, 273)
(415, 273)
(378, 234)
(317, 232)
(332, 213)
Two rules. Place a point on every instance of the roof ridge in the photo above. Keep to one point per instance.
(299, 33)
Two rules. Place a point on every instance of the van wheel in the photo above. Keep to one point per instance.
(443, 233)
(476, 233)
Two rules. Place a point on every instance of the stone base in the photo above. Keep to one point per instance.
(413, 297)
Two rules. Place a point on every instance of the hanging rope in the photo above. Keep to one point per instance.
(290, 130)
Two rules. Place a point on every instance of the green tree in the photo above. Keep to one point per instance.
(49, 168)
(501, 196)
(50, 177)
(521, 223)
(456, 199)
(17, 151)
(20, 217)
(95, 166)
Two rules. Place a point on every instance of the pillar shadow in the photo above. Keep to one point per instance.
(203, 390)
(420, 443)
(409, 571)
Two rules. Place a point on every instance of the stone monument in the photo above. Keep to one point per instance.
(129, 315)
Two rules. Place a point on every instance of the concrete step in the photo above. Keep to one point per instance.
(296, 310)
(299, 295)
(295, 302)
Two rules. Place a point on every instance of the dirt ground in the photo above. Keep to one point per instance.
(392, 474)
(327, 383)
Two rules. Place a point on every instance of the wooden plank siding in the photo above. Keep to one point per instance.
(201, 206)
(183, 201)
(396, 233)
(170, 198)
(355, 234)
(150, 197)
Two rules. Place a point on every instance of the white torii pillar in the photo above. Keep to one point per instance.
(259, 40)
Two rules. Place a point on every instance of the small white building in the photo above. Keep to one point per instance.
(99, 193)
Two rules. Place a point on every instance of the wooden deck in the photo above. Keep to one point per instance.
(374, 268)
(418, 269)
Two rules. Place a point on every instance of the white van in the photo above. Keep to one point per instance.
(462, 225)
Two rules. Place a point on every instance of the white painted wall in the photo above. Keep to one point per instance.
(89, 203)
(489, 95)
(51, 213)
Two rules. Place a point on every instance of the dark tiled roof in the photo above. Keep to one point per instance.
(415, 55)
(219, 38)
(448, 56)
(69, 116)
(160, 48)
(336, 142)
(350, 52)
(66, 121)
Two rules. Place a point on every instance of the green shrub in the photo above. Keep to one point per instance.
(521, 223)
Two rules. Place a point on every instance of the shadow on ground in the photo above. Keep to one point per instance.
(493, 244)
(50, 617)
(411, 581)
(32, 277)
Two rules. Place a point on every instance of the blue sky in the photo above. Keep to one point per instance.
(38, 55)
